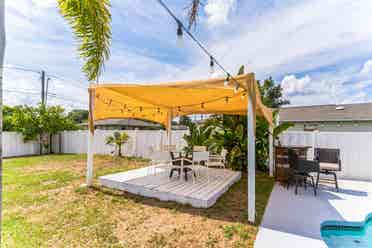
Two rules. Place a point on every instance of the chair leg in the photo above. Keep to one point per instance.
(336, 183)
(314, 187)
(296, 186)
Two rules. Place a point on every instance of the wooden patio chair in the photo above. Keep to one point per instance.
(159, 160)
(218, 160)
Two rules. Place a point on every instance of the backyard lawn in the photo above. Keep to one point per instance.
(43, 206)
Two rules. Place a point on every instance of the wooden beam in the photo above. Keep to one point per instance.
(271, 151)
(90, 150)
(169, 127)
(251, 157)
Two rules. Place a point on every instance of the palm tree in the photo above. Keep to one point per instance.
(117, 140)
(2, 50)
(90, 21)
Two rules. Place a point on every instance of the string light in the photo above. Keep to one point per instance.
(179, 33)
(243, 96)
(236, 87)
(226, 82)
(179, 109)
(227, 100)
(202, 105)
(211, 65)
(158, 110)
(140, 109)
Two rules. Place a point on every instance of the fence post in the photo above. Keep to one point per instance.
(134, 150)
(161, 140)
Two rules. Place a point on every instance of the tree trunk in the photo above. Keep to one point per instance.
(2, 49)
(119, 152)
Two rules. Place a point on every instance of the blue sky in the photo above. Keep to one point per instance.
(319, 51)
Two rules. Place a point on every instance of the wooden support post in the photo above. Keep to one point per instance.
(90, 150)
(251, 157)
(271, 151)
(170, 128)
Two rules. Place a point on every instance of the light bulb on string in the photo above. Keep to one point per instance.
(202, 105)
(211, 65)
(179, 34)
(227, 100)
(226, 82)
(243, 96)
(236, 88)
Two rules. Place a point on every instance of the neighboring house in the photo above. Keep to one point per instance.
(129, 124)
(340, 118)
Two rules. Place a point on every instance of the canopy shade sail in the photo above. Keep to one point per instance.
(159, 102)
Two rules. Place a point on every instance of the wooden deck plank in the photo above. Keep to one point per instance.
(202, 193)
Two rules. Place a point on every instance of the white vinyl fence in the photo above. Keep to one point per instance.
(14, 146)
(140, 143)
(355, 149)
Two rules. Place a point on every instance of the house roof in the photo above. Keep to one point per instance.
(344, 112)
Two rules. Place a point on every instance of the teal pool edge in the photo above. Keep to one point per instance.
(345, 225)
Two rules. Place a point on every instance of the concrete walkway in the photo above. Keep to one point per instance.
(294, 220)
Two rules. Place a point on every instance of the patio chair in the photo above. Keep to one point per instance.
(199, 148)
(201, 159)
(300, 171)
(159, 159)
(168, 148)
(218, 160)
(177, 163)
(329, 161)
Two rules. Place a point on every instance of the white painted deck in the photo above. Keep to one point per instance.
(294, 220)
(201, 194)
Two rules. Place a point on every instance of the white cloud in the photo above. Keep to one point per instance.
(292, 85)
(367, 67)
(218, 11)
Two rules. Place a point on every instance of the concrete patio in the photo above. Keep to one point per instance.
(294, 220)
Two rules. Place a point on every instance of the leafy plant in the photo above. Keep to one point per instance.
(198, 136)
(40, 122)
(230, 132)
(117, 140)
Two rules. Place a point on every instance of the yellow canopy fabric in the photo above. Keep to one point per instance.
(158, 102)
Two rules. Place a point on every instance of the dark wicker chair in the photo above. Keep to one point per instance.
(300, 170)
(176, 161)
(329, 161)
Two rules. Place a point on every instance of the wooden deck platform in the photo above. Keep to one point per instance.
(201, 194)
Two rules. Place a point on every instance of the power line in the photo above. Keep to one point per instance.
(20, 68)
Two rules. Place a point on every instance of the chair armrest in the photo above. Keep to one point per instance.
(181, 159)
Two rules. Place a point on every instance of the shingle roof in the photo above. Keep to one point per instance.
(344, 112)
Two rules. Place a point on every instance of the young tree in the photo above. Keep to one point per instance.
(117, 140)
(78, 115)
(41, 123)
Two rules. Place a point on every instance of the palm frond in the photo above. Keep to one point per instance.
(193, 12)
(90, 21)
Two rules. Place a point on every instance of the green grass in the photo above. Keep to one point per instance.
(45, 206)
